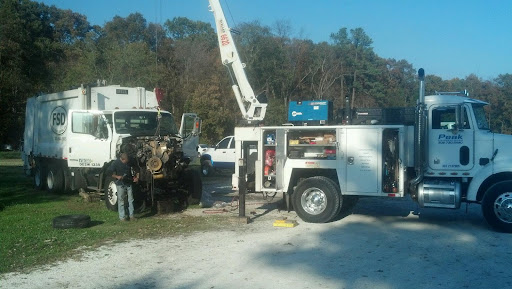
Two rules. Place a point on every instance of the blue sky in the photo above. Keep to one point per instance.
(448, 38)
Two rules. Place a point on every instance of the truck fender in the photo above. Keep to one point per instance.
(486, 173)
(294, 175)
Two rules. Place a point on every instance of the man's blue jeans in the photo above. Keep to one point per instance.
(121, 192)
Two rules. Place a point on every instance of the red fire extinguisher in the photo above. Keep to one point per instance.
(269, 161)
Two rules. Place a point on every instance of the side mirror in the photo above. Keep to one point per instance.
(197, 126)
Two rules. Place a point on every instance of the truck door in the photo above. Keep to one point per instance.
(189, 130)
(88, 139)
(450, 148)
(362, 160)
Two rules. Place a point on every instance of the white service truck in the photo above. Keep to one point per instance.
(71, 137)
(446, 156)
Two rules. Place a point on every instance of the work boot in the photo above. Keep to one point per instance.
(123, 219)
(133, 218)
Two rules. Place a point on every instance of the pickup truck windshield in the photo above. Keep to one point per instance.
(481, 121)
(144, 123)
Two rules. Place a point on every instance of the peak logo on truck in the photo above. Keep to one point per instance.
(450, 139)
(58, 120)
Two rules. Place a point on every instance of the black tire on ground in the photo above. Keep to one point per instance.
(110, 191)
(55, 179)
(39, 177)
(497, 206)
(71, 221)
(317, 200)
(206, 168)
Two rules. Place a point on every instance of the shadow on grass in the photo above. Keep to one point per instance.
(95, 223)
(17, 189)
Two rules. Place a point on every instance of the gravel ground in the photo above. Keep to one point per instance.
(383, 244)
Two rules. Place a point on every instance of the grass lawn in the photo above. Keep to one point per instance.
(27, 238)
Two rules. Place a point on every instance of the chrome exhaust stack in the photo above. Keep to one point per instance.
(419, 133)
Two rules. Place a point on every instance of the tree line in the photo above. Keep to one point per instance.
(44, 49)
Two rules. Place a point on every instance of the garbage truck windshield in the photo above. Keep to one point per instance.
(143, 123)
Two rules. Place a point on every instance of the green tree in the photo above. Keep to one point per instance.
(189, 58)
(181, 28)
(324, 72)
(46, 49)
(28, 50)
(401, 83)
(357, 59)
(127, 30)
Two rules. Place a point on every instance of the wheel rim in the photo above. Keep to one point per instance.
(205, 170)
(503, 207)
(50, 180)
(112, 193)
(313, 201)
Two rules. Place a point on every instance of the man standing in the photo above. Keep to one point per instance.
(122, 172)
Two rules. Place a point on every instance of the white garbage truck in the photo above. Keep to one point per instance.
(442, 155)
(71, 137)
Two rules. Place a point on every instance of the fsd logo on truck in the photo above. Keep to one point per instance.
(58, 121)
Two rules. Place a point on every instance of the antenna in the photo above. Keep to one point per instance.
(158, 20)
(230, 14)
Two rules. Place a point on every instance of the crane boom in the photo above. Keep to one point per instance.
(251, 108)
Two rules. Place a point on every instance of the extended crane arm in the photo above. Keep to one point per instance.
(251, 108)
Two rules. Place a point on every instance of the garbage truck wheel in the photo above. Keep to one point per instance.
(55, 179)
(39, 177)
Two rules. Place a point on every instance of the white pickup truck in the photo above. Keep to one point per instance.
(220, 157)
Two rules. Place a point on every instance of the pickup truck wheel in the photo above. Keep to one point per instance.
(55, 179)
(497, 206)
(206, 168)
(317, 200)
(39, 177)
(110, 190)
